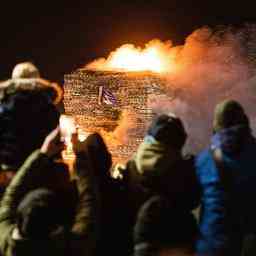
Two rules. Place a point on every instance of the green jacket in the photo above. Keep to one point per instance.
(37, 171)
(157, 169)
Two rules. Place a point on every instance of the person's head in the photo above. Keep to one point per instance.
(27, 113)
(169, 130)
(227, 114)
(26, 77)
(40, 214)
(26, 118)
(98, 151)
(163, 228)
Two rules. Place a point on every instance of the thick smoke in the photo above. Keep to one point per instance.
(211, 66)
(126, 123)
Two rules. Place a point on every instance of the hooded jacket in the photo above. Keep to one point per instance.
(227, 185)
(156, 170)
(78, 238)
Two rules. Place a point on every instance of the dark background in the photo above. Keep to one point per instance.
(62, 36)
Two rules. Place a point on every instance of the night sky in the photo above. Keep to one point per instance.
(60, 36)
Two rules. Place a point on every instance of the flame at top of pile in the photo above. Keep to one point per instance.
(157, 56)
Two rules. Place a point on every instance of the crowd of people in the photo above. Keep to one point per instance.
(148, 211)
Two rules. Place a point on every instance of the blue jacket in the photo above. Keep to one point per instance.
(227, 214)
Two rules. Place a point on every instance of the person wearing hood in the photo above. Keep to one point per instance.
(161, 180)
(35, 215)
(28, 112)
(226, 173)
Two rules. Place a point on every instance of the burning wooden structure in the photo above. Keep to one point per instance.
(100, 100)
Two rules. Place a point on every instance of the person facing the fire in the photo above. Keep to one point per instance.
(27, 114)
(115, 228)
(33, 213)
(163, 182)
(226, 173)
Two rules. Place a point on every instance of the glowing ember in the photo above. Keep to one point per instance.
(157, 56)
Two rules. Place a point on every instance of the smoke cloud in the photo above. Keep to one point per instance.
(127, 122)
(211, 66)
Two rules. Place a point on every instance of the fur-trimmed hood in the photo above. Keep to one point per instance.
(26, 77)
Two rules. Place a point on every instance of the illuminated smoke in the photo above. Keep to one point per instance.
(211, 66)
(121, 135)
(157, 56)
(127, 122)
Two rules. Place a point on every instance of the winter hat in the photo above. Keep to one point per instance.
(227, 114)
(26, 77)
(168, 129)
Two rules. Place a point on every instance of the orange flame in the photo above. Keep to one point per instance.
(157, 56)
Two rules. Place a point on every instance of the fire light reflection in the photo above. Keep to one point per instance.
(68, 127)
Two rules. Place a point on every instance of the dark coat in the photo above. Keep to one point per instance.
(77, 237)
(113, 213)
(154, 176)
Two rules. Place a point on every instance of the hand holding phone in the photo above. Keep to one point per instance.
(52, 144)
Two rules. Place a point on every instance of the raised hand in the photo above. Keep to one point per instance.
(52, 144)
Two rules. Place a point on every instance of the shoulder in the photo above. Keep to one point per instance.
(206, 169)
(198, 161)
(203, 158)
(189, 159)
